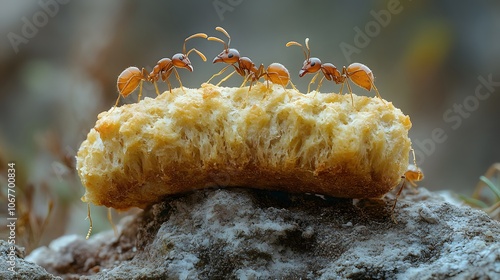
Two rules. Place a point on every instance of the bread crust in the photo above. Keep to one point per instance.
(266, 138)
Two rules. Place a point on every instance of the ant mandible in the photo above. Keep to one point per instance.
(132, 77)
(358, 73)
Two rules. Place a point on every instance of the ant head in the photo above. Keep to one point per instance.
(181, 60)
(311, 65)
(228, 56)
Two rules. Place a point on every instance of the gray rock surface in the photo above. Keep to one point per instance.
(250, 234)
(14, 266)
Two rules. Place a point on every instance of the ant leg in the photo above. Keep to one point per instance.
(284, 85)
(140, 92)
(226, 78)
(414, 158)
(110, 219)
(156, 88)
(178, 79)
(399, 193)
(217, 74)
(350, 91)
(251, 84)
(376, 91)
(117, 100)
(281, 82)
(248, 92)
(90, 221)
(245, 81)
(341, 88)
(313, 80)
(169, 85)
(319, 85)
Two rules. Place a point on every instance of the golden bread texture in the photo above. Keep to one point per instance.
(266, 138)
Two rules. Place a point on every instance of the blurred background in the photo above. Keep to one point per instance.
(438, 61)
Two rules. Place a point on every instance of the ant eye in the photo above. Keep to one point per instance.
(313, 63)
(230, 55)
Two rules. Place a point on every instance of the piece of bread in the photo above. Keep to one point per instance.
(268, 138)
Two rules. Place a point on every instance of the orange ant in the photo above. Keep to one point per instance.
(132, 77)
(412, 175)
(276, 72)
(358, 73)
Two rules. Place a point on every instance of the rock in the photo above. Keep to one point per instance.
(252, 234)
(14, 266)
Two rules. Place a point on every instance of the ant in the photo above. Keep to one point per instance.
(358, 73)
(132, 77)
(412, 175)
(276, 72)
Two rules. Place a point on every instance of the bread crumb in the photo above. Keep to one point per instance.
(266, 138)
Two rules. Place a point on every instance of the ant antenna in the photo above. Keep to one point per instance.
(198, 52)
(220, 29)
(197, 35)
(306, 54)
(226, 46)
(308, 49)
(218, 40)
